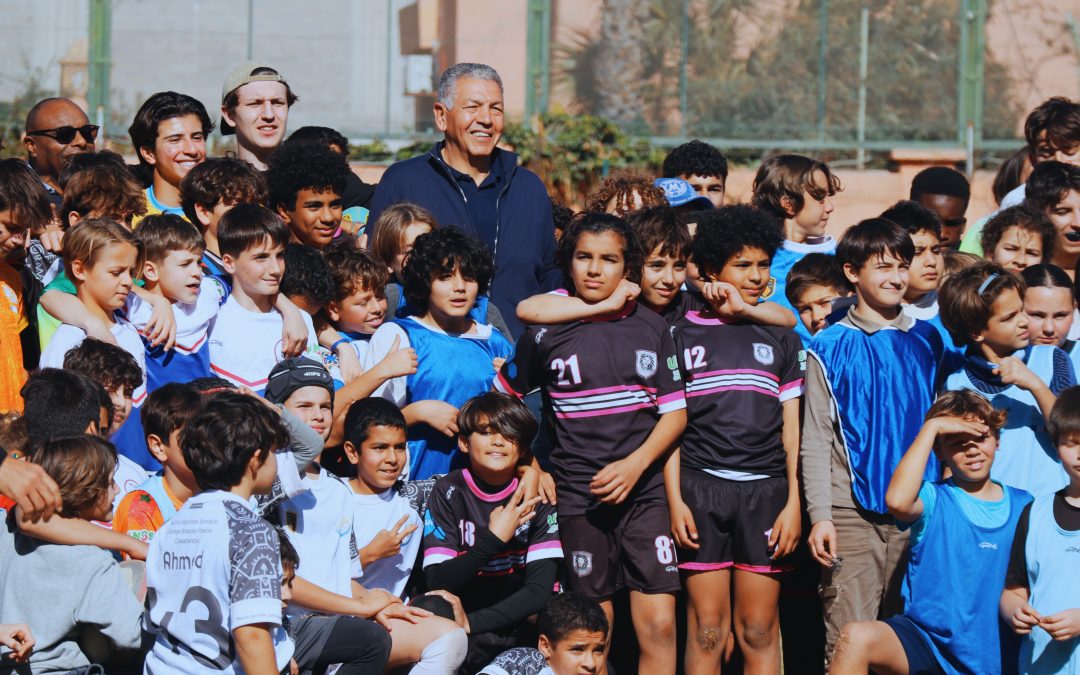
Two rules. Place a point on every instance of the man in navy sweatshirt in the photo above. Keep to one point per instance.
(466, 181)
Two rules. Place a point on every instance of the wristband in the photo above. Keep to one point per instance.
(342, 341)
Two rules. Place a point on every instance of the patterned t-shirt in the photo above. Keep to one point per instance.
(214, 567)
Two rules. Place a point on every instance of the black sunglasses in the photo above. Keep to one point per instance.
(65, 135)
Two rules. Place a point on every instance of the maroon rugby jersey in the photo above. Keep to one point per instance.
(737, 376)
(605, 382)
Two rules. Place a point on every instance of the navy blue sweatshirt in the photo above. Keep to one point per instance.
(522, 239)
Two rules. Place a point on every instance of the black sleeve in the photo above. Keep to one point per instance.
(452, 575)
(540, 578)
(1016, 575)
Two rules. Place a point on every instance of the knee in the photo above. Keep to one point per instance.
(711, 638)
(851, 643)
(757, 633)
(661, 629)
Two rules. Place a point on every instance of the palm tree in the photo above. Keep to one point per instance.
(620, 60)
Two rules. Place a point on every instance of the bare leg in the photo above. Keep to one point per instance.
(865, 645)
(708, 620)
(757, 621)
(654, 623)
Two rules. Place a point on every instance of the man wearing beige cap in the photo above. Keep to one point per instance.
(255, 102)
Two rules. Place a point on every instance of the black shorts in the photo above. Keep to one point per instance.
(609, 549)
(921, 659)
(734, 520)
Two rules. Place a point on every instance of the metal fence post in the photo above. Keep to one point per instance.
(864, 42)
(100, 39)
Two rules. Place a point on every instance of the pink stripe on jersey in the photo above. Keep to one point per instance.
(436, 551)
(604, 411)
(503, 385)
(695, 317)
(258, 384)
(546, 544)
(705, 566)
(480, 494)
(737, 371)
(789, 385)
(714, 390)
(670, 398)
(602, 390)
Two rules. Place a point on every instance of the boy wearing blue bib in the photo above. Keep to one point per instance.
(961, 529)
(983, 307)
(1041, 600)
(869, 381)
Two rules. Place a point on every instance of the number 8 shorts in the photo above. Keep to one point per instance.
(609, 549)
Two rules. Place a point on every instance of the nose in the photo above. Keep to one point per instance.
(594, 268)
(828, 205)
(326, 215)
(755, 274)
(188, 147)
(483, 115)
(266, 110)
(1022, 320)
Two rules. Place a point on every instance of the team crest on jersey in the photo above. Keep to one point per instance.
(645, 362)
(763, 354)
(769, 289)
(582, 562)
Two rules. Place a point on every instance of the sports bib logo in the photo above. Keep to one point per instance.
(582, 563)
(645, 362)
(770, 288)
(539, 335)
(763, 354)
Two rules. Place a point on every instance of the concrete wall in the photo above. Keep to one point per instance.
(335, 53)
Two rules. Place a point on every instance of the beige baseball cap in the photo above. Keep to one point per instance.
(244, 73)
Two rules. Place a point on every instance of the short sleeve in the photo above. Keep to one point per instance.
(138, 516)
(380, 345)
(254, 573)
(520, 375)
(544, 541)
(1016, 574)
(793, 373)
(928, 495)
(670, 395)
(440, 528)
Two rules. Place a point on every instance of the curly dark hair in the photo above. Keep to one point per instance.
(619, 188)
(695, 158)
(227, 180)
(599, 223)
(1026, 218)
(1049, 184)
(322, 137)
(354, 270)
(106, 364)
(722, 233)
(307, 275)
(301, 166)
(438, 253)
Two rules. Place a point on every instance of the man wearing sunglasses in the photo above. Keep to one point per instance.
(56, 131)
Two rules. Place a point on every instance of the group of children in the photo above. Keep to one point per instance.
(323, 447)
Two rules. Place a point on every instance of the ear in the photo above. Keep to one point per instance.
(204, 215)
(92, 427)
(148, 156)
(442, 113)
(851, 273)
(255, 463)
(150, 271)
(229, 263)
(227, 116)
(73, 217)
(788, 204)
(977, 338)
(156, 447)
(280, 209)
(545, 646)
(352, 453)
(78, 270)
(333, 310)
(463, 444)
(31, 146)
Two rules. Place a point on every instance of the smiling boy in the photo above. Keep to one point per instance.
(169, 135)
(869, 380)
(306, 185)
